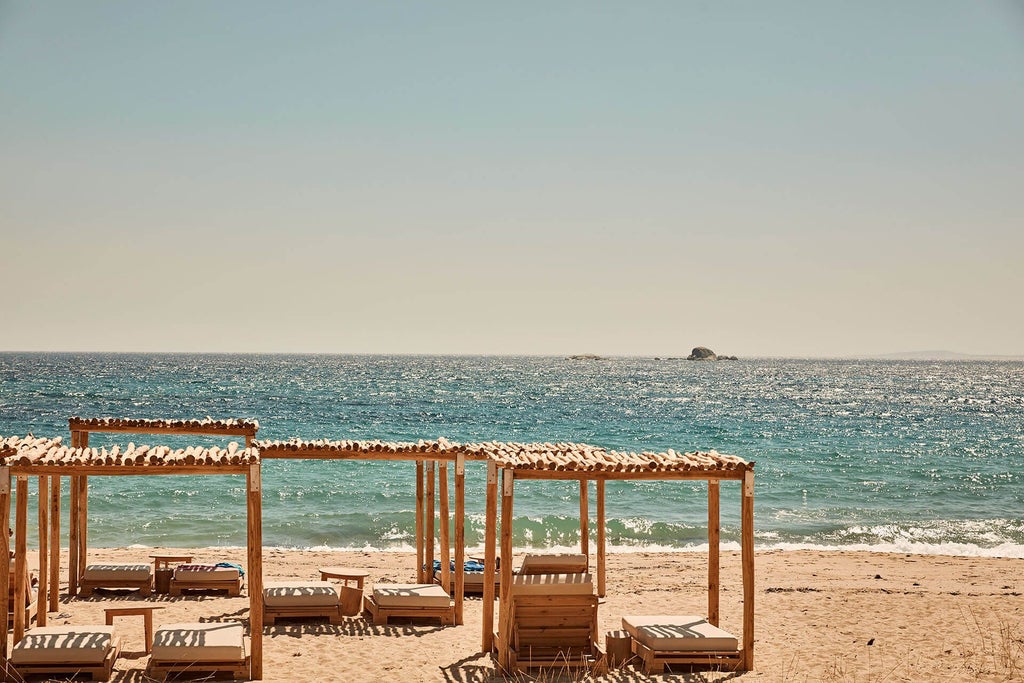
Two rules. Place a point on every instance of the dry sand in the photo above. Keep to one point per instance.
(820, 616)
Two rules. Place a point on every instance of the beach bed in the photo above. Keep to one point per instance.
(426, 600)
(199, 649)
(68, 650)
(137, 576)
(206, 577)
(298, 598)
(686, 640)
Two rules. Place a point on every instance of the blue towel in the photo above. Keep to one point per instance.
(469, 566)
(232, 565)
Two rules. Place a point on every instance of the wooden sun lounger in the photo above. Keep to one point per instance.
(310, 599)
(225, 579)
(685, 640)
(425, 600)
(31, 603)
(547, 563)
(553, 623)
(209, 649)
(136, 576)
(67, 650)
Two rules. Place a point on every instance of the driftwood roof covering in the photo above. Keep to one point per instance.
(207, 425)
(564, 457)
(31, 451)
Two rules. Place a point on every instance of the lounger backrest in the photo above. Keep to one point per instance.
(552, 584)
(570, 563)
(546, 625)
(30, 591)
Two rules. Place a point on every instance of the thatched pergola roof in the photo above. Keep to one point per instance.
(39, 454)
(230, 427)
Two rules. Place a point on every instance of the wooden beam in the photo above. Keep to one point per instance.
(505, 604)
(54, 596)
(632, 475)
(601, 540)
(20, 561)
(428, 511)
(83, 521)
(490, 538)
(254, 524)
(419, 523)
(460, 538)
(73, 527)
(44, 550)
(747, 558)
(444, 538)
(584, 519)
(5, 550)
(714, 554)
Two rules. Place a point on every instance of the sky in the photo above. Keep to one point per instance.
(629, 178)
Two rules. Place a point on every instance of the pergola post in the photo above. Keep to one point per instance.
(54, 596)
(490, 532)
(73, 493)
(444, 538)
(254, 523)
(428, 561)
(601, 550)
(747, 557)
(505, 606)
(5, 550)
(584, 519)
(714, 540)
(460, 536)
(20, 563)
(83, 521)
(420, 578)
(44, 551)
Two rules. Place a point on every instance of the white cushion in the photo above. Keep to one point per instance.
(410, 595)
(117, 572)
(679, 634)
(299, 593)
(185, 573)
(64, 645)
(194, 642)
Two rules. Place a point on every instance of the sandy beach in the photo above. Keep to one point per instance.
(821, 616)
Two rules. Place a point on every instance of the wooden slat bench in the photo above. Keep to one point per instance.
(685, 640)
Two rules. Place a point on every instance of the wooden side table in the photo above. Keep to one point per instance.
(162, 570)
(345, 574)
(145, 611)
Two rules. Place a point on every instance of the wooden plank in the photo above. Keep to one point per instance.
(460, 538)
(158, 429)
(20, 561)
(632, 475)
(44, 550)
(601, 540)
(505, 604)
(5, 550)
(254, 535)
(73, 526)
(420, 557)
(714, 551)
(584, 518)
(129, 470)
(83, 521)
(747, 559)
(54, 597)
(443, 536)
(428, 511)
(490, 538)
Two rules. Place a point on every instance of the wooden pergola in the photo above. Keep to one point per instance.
(431, 494)
(49, 460)
(584, 463)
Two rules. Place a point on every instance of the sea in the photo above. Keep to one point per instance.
(880, 455)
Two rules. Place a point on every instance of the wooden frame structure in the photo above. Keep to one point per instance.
(49, 459)
(585, 463)
(432, 495)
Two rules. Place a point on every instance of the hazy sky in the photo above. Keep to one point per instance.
(629, 178)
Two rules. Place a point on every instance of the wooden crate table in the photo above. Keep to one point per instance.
(162, 570)
(145, 611)
(351, 596)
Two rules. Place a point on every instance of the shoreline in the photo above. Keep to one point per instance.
(820, 615)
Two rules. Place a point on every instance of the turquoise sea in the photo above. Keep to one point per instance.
(904, 456)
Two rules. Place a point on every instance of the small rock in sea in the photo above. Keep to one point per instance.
(878, 576)
(871, 642)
